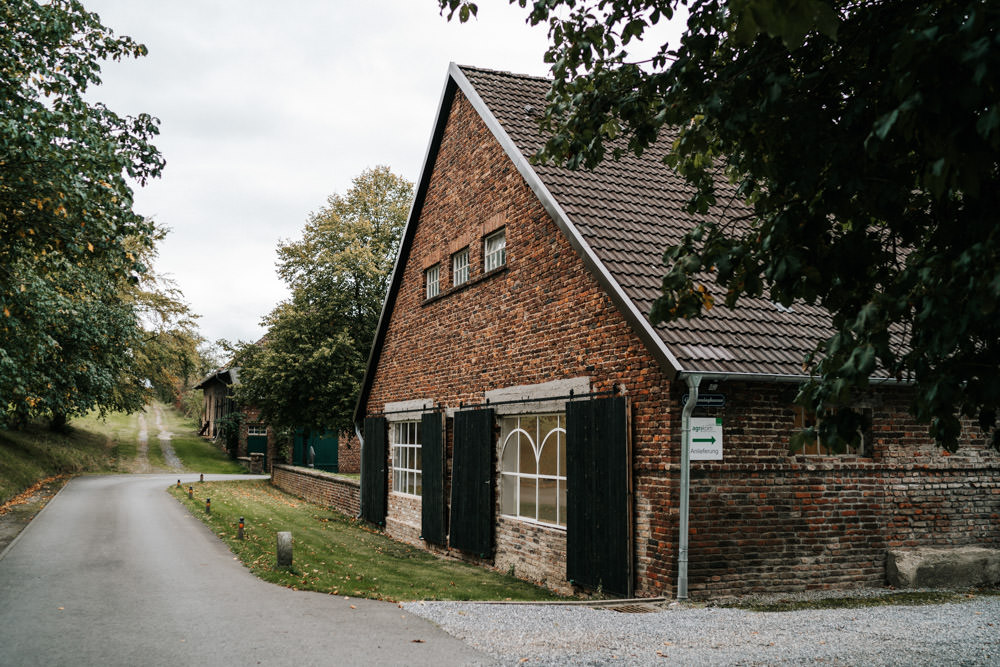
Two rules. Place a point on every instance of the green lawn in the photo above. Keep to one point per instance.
(337, 555)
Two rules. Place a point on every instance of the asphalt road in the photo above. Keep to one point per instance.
(115, 572)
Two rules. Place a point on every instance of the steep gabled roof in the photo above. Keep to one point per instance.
(628, 212)
(620, 218)
(230, 375)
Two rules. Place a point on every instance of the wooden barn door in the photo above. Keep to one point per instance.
(432, 507)
(373, 471)
(599, 495)
(472, 482)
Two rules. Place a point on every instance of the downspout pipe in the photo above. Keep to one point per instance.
(693, 381)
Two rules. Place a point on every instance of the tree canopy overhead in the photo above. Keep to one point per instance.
(307, 371)
(864, 135)
(70, 241)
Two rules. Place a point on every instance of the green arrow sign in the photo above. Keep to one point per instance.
(708, 440)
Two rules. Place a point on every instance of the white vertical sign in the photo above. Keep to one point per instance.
(706, 438)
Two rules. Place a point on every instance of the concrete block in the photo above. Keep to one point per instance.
(285, 549)
(959, 567)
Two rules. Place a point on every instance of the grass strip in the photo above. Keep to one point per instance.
(337, 555)
(195, 452)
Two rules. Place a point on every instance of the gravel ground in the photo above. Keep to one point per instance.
(963, 633)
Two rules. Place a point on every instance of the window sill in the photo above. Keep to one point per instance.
(465, 285)
(534, 522)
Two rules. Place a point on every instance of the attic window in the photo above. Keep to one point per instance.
(495, 250)
(432, 282)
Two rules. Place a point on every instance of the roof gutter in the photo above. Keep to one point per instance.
(725, 376)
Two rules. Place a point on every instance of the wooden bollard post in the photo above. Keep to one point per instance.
(208, 505)
(285, 549)
(178, 484)
(202, 479)
(190, 493)
(239, 531)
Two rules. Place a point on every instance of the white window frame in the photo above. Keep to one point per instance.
(529, 426)
(460, 267)
(407, 473)
(432, 280)
(804, 418)
(495, 250)
(257, 429)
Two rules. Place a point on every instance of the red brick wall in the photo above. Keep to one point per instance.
(348, 452)
(320, 487)
(765, 520)
(541, 318)
(762, 519)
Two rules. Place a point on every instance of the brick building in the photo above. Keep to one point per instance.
(519, 409)
(217, 395)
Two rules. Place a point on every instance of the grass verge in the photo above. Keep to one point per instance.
(337, 555)
(34, 453)
(899, 598)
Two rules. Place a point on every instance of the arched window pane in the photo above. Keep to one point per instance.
(533, 487)
(547, 498)
(528, 464)
(527, 500)
(508, 495)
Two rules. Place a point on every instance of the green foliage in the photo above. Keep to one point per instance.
(68, 234)
(864, 136)
(170, 352)
(227, 432)
(307, 371)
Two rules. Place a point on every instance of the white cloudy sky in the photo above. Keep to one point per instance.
(266, 108)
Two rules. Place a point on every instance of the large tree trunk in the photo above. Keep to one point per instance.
(58, 422)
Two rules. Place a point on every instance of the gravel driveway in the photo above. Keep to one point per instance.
(964, 633)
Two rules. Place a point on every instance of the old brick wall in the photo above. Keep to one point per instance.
(542, 317)
(762, 519)
(340, 493)
(767, 520)
(348, 452)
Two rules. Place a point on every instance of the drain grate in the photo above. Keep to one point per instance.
(634, 608)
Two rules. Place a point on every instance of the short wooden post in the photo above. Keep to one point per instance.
(208, 505)
(190, 493)
(285, 549)
(239, 531)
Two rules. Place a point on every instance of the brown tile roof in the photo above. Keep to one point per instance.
(627, 212)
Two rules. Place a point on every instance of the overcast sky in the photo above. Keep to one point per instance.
(267, 108)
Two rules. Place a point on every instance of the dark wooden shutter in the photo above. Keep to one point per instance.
(373, 471)
(598, 503)
(432, 514)
(472, 483)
